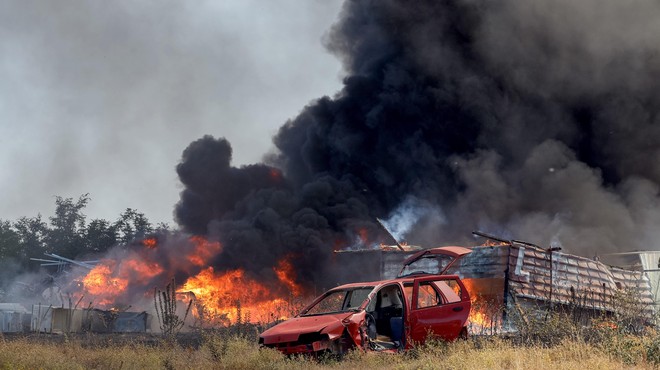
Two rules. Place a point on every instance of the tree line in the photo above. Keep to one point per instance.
(68, 233)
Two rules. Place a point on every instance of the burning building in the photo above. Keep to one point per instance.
(520, 279)
(505, 279)
(450, 118)
(514, 278)
(537, 120)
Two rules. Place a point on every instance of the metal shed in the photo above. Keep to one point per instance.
(50, 319)
(508, 278)
(511, 277)
(99, 321)
(14, 317)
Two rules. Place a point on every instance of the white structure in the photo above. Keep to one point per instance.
(13, 317)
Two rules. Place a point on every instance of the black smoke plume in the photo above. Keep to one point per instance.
(531, 120)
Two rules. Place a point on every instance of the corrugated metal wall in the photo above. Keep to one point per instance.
(556, 277)
(63, 320)
(13, 317)
(651, 264)
(533, 276)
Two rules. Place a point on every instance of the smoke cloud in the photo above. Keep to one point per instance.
(534, 121)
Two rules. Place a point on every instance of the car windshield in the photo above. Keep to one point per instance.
(336, 301)
(432, 264)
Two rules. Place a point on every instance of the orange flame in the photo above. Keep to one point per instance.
(487, 304)
(204, 250)
(286, 274)
(100, 283)
(225, 296)
(108, 280)
(480, 319)
(150, 243)
(275, 174)
(494, 243)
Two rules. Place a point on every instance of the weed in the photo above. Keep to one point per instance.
(166, 310)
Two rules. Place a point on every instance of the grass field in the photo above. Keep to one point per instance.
(552, 340)
(221, 351)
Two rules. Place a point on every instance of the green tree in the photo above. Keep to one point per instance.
(100, 235)
(32, 235)
(132, 224)
(66, 235)
(10, 241)
(162, 227)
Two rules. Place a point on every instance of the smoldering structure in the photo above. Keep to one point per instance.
(537, 121)
(512, 283)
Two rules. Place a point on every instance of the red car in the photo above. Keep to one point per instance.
(387, 315)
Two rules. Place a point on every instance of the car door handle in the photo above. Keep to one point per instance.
(457, 309)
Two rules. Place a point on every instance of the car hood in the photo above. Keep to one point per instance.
(289, 330)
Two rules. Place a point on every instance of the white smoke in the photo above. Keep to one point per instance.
(410, 214)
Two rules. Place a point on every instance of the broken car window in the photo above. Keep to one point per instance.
(427, 296)
(355, 298)
(427, 265)
(339, 301)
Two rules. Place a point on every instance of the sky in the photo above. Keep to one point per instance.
(102, 97)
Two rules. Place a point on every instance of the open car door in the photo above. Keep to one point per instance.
(440, 307)
(434, 261)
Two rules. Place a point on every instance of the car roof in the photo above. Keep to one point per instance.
(379, 283)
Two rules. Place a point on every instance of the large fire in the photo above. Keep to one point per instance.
(231, 297)
(220, 297)
(109, 280)
(100, 283)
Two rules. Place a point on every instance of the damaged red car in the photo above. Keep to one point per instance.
(387, 315)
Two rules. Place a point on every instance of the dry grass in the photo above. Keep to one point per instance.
(237, 352)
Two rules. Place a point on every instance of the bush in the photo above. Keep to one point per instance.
(653, 350)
